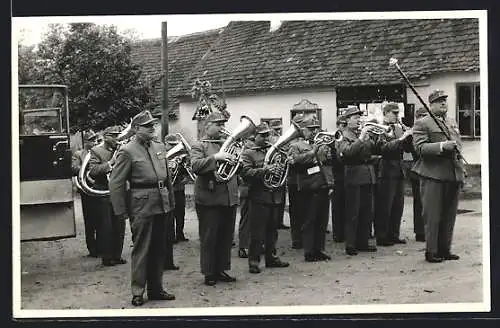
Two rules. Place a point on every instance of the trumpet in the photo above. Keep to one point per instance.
(326, 138)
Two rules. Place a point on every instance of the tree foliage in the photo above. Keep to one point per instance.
(105, 86)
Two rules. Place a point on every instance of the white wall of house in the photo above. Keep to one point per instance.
(447, 83)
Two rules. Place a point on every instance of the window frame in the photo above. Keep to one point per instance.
(472, 88)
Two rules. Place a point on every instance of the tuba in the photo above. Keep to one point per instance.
(234, 145)
(85, 182)
(275, 155)
(326, 138)
(177, 157)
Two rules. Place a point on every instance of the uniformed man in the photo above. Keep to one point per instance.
(102, 160)
(315, 178)
(243, 225)
(355, 151)
(89, 203)
(390, 188)
(276, 130)
(142, 162)
(216, 202)
(442, 174)
(338, 197)
(265, 203)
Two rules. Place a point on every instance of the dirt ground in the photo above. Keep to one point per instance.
(59, 275)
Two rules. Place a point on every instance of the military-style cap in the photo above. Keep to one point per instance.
(262, 128)
(436, 95)
(390, 107)
(89, 135)
(351, 110)
(420, 112)
(143, 118)
(216, 117)
(275, 124)
(171, 139)
(111, 130)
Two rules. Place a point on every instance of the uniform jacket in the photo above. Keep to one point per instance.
(391, 148)
(303, 159)
(98, 165)
(242, 184)
(356, 155)
(207, 190)
(140, 165)
(253, 173)
(77, 160)
(432, 163)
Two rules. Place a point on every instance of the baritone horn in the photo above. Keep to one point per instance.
(275, 155)
(234, 145)
(177, 157)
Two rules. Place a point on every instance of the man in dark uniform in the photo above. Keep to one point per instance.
(312, 164)
(142, 162)
(355, 151)
(442, 175)
(102, 160)
(390, 194)
(243, 225)
(418, 222)
(276, 130)
(265, 203)
(89, 203)
(338, 197)
(216, 202)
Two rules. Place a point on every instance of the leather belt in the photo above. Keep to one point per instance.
(159, 184)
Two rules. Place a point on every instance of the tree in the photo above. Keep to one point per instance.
(105, 87)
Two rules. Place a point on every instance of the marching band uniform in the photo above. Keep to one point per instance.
(315, 178)
(142, 162)
(89, 203)
(113, 228)
(390, 188)
(265, 204)
(359, 178)
(243, 225)
(441, 176)
(216, 204)
(338, 197)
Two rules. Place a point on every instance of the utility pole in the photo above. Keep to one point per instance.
(164, 66)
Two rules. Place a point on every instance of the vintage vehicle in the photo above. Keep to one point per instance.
(46, 190)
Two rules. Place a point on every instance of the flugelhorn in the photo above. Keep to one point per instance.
(178, 157)
(234, 145)
(275, 155)
(376, 128)
(326, 138)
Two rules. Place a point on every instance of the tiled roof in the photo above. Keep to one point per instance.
(305, 54)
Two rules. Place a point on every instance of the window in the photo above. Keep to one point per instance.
(275, 120)
(468, 110)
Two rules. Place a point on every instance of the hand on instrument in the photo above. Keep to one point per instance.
(365, 134)
(449, 145)
(407, 133)
(226, 157)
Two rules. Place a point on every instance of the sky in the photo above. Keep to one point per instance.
(31, 29)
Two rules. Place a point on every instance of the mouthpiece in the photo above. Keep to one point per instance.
(393, 61)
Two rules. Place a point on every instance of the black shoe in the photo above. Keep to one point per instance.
(120, 261)
(351, 251)
(181, 237)
(224, 277)
(253, 269)
(385, 242)
(368, 248)
(171, 267)
(233, 244)
(449, 257)
(433, 258)
(137, 300)
(161, 296)
(296, 245)
(323, 257)
(108, 262)
(277, 263)
(283, 227)
(210, 280)
(327, 231)
(311, 258)
(93, 255)
(242, 253)
(399, 241)
(419, 237)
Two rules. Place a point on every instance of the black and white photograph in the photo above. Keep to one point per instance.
(250, 164)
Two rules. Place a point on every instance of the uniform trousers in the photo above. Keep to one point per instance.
(338, 211)
(91, 220)
(113, 232)
(316, 217)
(264, 221)
(295, 212)
(281, 213)
(216, 228)
(358, 214)
(169, 239)
(243, 225)
(418, 222)
(179, 211)
(389, 201)
(148, 253)
(439, 211)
